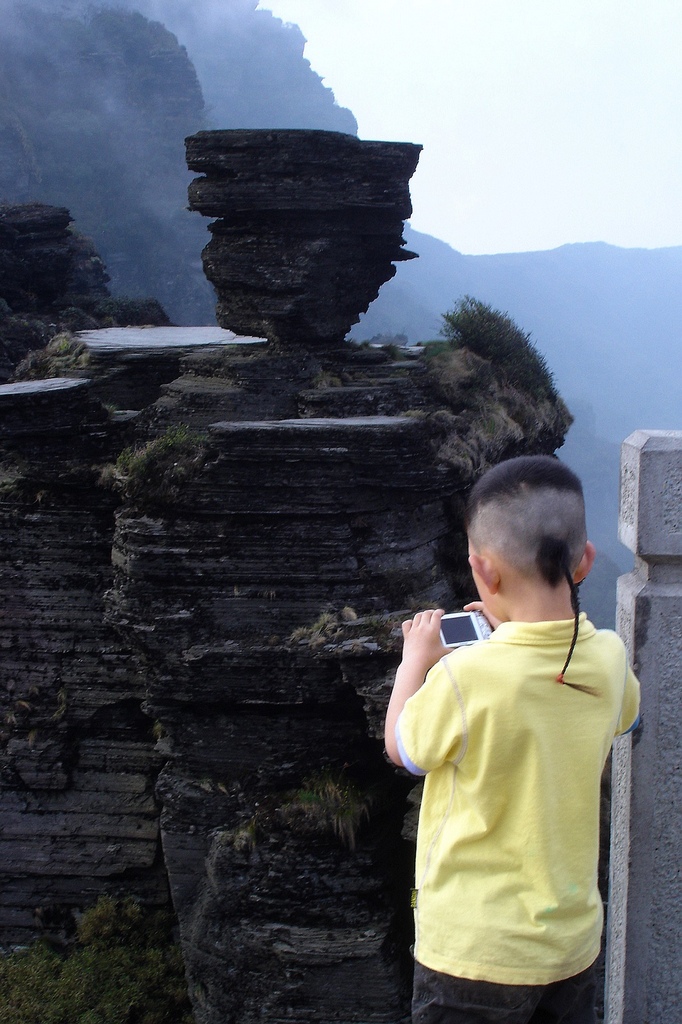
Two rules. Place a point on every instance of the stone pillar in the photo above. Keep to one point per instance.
(309, 226)
(644, 938)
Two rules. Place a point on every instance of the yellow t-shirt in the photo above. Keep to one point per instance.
(508, 839)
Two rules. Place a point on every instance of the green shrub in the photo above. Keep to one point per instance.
(494, 336)
(126, 312)
(435, 347)
(123, 969)
(63, 356)
(157, 472)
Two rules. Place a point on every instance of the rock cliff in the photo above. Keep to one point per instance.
(53, 280)
(201, 598)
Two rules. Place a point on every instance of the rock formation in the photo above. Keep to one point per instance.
(229, 630)
(53, 280)
(309, 226)
(77, 795)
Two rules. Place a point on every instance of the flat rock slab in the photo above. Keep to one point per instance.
(123, 339)
(41, 387)
(315, 423)
(48, 409)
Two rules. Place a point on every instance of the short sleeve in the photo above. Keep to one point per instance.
(629, 714)
(431, 728)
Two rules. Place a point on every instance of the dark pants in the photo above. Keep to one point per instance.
(441, 999)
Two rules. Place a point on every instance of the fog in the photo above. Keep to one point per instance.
(95, 103)
(250, 65)
(275, 86)
(97, 99)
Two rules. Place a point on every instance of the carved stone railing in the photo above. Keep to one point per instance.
(644, 979)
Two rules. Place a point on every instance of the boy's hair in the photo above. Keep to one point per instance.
(531, 511)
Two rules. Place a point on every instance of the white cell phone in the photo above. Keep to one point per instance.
(458, 629)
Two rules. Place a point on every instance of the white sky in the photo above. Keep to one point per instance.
(542, 121)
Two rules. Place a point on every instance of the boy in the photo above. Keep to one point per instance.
(512, 735)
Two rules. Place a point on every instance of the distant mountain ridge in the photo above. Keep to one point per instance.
(609, 323)
(608, 320)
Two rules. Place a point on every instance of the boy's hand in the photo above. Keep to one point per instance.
(422, 647)
(478, 606)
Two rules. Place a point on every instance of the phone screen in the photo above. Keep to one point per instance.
(458, 630)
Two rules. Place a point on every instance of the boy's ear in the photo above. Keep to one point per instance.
(486, 572)
(585, 563)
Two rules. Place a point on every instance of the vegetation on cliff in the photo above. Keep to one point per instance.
(496, 388)
(124, 968)
(328, 803)
(155, 473)
(493, 335)
(63, 356)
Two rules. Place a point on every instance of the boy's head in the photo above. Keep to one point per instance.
(531, 512)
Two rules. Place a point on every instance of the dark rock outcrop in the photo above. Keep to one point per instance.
(310, 224)
(276, 509)
(53, 281)
(37, 258)
(266, 605)
(36, 255)
(243, 641)
(77, 803)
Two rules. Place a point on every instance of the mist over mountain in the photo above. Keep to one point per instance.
(95, 104)
(608, 320)
(609, 323)
(93, 111)
(250, 64)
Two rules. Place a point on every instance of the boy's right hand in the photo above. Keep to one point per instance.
(422, 649)
(478, 606)
(422, 646)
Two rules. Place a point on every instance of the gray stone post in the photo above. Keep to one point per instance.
(644, 933)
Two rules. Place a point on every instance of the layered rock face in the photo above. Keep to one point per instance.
(52, 280)
(309, 226)
(37, 260)
(77, 803)
(281, 507)
(266, 605)
(36, 257)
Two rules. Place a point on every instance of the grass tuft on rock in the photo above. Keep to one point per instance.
(328, 802)
(157, 472)
(63, 356)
